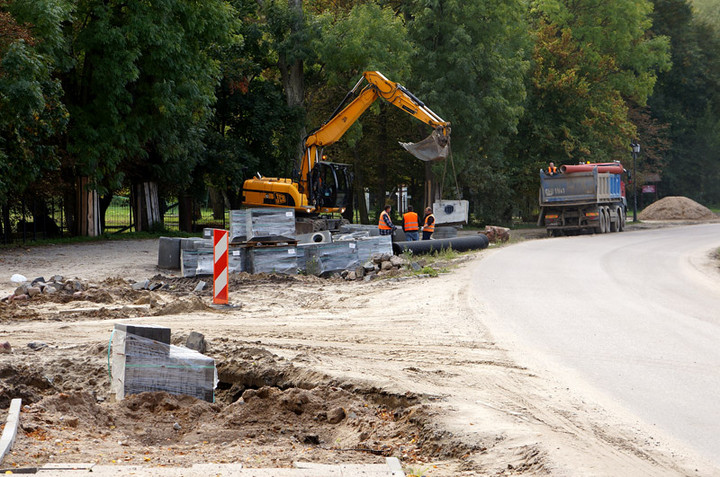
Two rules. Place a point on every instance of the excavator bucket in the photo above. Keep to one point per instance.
(435, 147)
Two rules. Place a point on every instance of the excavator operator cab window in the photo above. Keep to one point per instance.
(324, 185)
(330, 185)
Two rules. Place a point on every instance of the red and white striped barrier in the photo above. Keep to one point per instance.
(220, 266)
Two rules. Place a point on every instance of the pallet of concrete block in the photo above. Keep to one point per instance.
(371, 230)
(262, 225)
(326, 258)
(273, 259)
(170, 250)
(369, 246)
(144, 360)
(195, 263)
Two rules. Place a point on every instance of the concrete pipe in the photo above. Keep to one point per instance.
(459, 244)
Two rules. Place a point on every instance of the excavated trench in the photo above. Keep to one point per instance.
(264, 406)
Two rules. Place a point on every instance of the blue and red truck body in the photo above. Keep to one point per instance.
(583, 197)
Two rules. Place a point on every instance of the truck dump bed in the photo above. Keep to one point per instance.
(579, 188)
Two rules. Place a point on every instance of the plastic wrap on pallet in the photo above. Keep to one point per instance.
(238, 226)
(141, 364)
(322, 259)
(200, 262)
(351, 236)
(270, 225)
(352, 228)
(281, 259)
(380, 245)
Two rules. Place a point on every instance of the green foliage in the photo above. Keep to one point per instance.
(142, 87)
(253, 129)
(368, 37)
(688, 99)
(31, 113)
(471, 62)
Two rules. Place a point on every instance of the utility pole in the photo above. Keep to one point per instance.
(635, 145)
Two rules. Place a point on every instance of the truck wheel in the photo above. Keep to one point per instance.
(615, 220)
(603, 220)
(621, 215)
(600, 229)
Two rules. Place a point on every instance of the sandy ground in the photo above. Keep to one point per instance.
(310, 369)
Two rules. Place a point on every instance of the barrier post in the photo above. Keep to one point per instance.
(220, 266)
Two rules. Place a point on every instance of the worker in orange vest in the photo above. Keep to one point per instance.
(429, 224)
(411, 225)
(552, 170)
(385, 224)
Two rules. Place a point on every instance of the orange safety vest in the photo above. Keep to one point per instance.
(381, 223)
(410, 220)
(429, 227)
(552, 170)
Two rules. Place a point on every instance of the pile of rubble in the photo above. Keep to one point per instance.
(57, 284)
(379, 265)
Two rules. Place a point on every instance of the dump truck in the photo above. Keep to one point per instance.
(581, 197)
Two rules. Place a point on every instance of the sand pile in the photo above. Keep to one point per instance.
(676, 208)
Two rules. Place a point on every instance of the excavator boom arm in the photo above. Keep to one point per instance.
(378, 87)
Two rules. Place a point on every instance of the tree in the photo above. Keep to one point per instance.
(687, 99)
(31, 112)
(142, 87)
(582, 82)
(471, 59)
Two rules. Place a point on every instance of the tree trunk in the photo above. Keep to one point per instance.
(218, 203)
(292, 75)
(185, 213)
(147, 207)
(359, 190)
(88, 209)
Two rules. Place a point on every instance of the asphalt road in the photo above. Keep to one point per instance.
(635, 314)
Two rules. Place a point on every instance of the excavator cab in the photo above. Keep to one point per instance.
(330, 186)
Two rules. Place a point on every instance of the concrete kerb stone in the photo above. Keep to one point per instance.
(391, 468)
(10, 431)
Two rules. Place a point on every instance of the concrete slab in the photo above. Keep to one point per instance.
(10, 430)
(391, 468)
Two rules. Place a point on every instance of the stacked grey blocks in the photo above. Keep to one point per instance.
(327, 258)
(281, 259)
(263, 241)
(271, 225)
(144, 360)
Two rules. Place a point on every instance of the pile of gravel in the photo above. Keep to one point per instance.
(676, 208)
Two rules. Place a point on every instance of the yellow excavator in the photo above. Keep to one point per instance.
(322, 187)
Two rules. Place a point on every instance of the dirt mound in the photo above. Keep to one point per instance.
(676, 208)
(184, 305)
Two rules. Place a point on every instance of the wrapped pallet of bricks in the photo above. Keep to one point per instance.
(238, 226)
(270, 225)
(143, 360)
(369, 246)
(195, 263)
(327, 258)
(279, 259)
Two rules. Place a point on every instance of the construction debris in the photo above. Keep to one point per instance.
(496, 234)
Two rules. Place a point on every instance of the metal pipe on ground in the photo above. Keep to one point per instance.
(459, 244)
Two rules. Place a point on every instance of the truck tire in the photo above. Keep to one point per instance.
(621, 224)
(603, 220)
